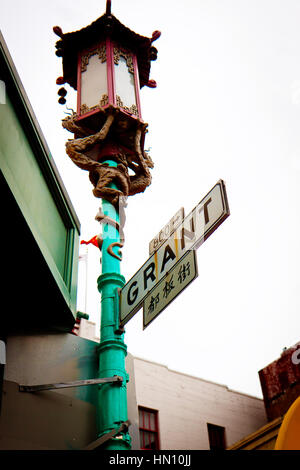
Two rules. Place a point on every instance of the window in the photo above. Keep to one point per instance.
(148, 425)
(216, 435)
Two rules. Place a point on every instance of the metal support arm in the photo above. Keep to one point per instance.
(76, 383)
(95, 444)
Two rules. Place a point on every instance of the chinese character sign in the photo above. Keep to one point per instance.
(179, 277)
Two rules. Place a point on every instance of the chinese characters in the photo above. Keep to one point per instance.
(181, 275)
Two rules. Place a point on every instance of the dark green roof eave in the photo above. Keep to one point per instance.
(17, 93)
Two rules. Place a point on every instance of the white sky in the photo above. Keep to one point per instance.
(227, 106)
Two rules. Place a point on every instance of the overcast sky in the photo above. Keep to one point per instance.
(227, 105)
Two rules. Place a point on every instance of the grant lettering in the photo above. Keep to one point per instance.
(206, 216)
(188, 233)
(168, 254)
(149, 273)
(131, 296)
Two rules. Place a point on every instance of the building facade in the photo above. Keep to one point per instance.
(192, 413)
(166, 409)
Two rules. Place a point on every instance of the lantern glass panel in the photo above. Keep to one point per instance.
(125, 86)
(94, 82)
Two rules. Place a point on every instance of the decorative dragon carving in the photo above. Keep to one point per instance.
(89, 151)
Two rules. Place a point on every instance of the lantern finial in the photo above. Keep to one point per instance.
(108, 7)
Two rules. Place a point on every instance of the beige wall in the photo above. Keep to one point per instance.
(186, 404)
(54, 419)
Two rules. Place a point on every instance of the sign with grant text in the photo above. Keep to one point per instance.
(166, 232)
(196, 227)
(177, 279)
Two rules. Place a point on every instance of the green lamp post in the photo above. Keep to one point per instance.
(107, 64)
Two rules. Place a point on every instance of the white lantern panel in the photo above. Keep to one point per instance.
(93, 82)
(125, 88)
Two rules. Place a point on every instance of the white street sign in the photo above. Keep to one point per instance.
(166, 232)
(197, 226)
(177, 279)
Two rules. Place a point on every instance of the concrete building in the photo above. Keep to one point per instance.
(214, 415)
(167, 409)
(193, 413)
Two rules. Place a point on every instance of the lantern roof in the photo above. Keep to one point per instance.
(107, 26)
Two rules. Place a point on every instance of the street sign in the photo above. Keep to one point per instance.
(177, 279)
(196, 227)
(165, 232)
